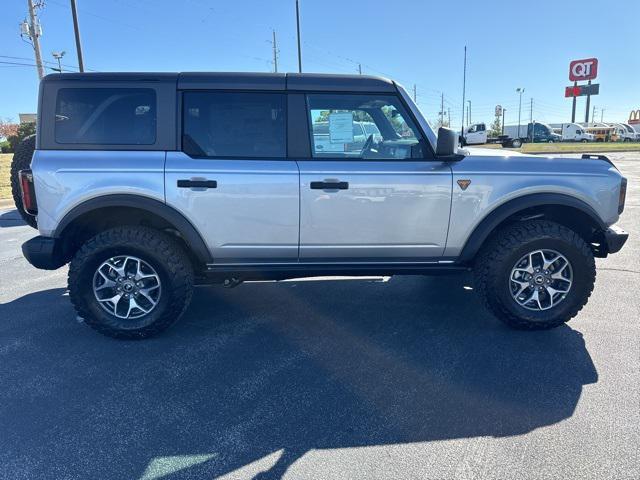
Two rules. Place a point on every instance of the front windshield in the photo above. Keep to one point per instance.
(426, 128)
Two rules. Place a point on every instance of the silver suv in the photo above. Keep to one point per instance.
(150, 183)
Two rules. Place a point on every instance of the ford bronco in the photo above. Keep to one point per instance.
(149, 183)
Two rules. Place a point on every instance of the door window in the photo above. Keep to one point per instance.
(362, 127)
(245, 125)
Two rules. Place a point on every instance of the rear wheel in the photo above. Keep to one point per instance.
(130, 282)
(535, 275)
(22, 161)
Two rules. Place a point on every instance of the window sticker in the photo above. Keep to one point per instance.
(341, 127)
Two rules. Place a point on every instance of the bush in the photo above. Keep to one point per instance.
(5, 147)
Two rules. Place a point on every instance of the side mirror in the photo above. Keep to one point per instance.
(447, 142)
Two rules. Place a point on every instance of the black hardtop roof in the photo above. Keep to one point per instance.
(240, 80)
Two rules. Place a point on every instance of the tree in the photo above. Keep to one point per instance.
(496, 127)
(24, 130)
(8, 128)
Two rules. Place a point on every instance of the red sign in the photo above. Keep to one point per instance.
(582, 90)
(586, 69)
(572, 91)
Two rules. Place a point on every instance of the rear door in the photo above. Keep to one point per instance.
(231, 177)
(384, 200)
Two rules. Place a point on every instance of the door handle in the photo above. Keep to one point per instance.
(197, 184)
(330, 185)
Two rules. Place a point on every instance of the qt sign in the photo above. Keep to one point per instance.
(586, 69)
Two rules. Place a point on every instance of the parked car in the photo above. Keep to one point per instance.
(147, 184)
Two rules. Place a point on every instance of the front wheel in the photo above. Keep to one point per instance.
(517, 143)
(535, 275)
(130, 282)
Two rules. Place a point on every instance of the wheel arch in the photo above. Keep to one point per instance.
(564, 209)
(97, 213)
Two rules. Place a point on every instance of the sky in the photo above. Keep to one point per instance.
(510, 44)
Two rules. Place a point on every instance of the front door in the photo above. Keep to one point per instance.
(233, 180)
(384, 200)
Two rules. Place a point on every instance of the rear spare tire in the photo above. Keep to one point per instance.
(21, 161)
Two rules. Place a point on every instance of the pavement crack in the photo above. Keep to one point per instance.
(619, 269)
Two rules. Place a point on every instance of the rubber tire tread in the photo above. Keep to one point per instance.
(498, 249)
(22, 161)
(176, 263)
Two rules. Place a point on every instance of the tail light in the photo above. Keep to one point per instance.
(28, 192)
(623, 195)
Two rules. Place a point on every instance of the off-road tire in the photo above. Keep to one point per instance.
(156, 248)
(496, 259)
(22, 161)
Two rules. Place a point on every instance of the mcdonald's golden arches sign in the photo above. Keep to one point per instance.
(634, 117)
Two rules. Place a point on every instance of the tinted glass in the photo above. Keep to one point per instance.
(385, 129)
(220, 124)
(107, 116)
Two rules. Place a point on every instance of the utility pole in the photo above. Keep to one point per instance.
(602, 115)
(469, 116)
(298, 31)
(464, 89)
(593, 115)
(360, 69)
(415, 94)
(33, 30)
(76, 30)
(274, 44)
(449, 117)
(442, 109)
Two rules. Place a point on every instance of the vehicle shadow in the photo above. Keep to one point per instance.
(11, 218)
(267, 372)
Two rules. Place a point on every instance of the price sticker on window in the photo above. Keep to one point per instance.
(341, 127)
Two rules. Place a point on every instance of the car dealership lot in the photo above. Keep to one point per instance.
(405, 377)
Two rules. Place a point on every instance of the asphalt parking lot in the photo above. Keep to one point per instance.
(405, 378)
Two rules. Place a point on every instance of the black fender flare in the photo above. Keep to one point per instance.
(189, 233)
(498, 215)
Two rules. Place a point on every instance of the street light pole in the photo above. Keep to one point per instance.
(298, 31)
(58, 56)
(520, 91)
(469, 116)
(464, 90)
(503, 110)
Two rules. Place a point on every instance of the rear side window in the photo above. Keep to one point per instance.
(224, 124)
(106, 116)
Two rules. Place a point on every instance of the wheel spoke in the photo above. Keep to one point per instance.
(131, 285)
(547, 273)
